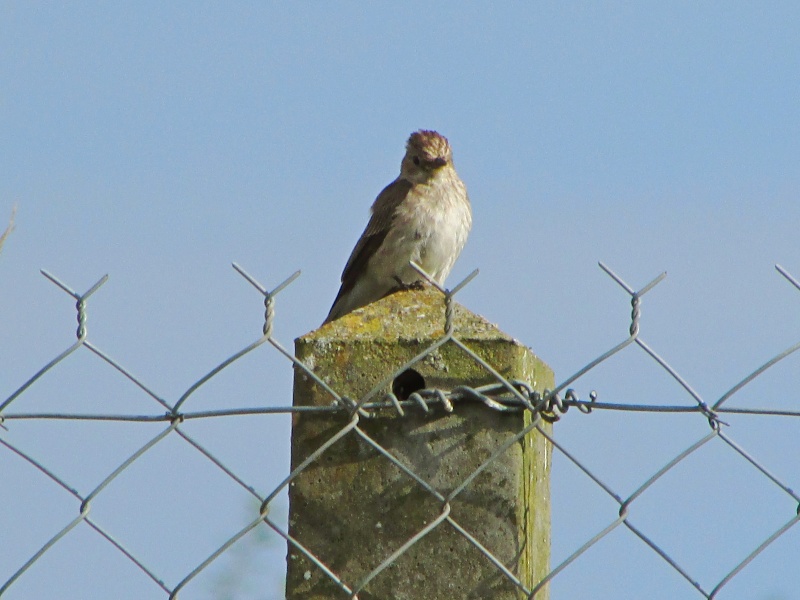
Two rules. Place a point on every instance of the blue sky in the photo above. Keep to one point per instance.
(159, 143)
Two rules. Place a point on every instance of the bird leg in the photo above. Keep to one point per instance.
(401, 286)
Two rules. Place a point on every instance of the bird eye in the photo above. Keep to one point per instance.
(416, 160)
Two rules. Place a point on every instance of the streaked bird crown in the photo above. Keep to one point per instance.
(430, 146)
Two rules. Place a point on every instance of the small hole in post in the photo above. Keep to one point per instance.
(408, 382)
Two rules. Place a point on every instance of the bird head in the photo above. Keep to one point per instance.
(427, 152)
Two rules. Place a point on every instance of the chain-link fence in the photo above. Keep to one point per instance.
(171, 420)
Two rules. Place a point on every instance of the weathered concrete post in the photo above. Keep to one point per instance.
(352, 507)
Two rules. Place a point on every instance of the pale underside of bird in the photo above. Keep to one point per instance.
(423, 216)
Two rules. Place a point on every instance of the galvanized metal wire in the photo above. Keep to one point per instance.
(501, 395)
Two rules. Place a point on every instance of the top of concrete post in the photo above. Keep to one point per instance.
(404, 315)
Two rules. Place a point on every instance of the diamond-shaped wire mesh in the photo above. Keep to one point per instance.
(161, 435)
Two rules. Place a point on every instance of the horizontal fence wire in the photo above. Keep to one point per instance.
(501, 395)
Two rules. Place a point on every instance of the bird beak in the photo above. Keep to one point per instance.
(439, 162)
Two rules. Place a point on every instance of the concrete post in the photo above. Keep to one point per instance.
(352, 507)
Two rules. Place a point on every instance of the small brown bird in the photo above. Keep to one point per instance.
(423, 216)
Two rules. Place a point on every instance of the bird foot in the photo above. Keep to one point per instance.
(401, 286)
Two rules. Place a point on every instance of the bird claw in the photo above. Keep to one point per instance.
(416, 285)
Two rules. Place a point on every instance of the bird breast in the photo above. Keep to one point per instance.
(430, 228)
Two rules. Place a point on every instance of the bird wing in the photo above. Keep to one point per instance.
(380, 222)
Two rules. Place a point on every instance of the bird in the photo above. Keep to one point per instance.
(423, 216)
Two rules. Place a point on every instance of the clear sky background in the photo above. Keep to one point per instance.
(159, 143)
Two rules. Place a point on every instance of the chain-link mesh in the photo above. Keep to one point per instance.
(502, 395)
